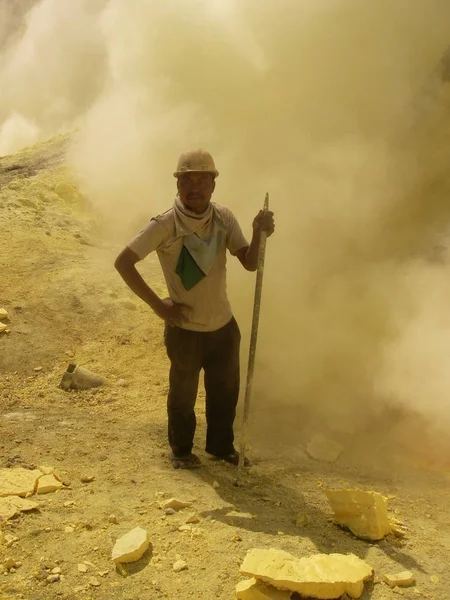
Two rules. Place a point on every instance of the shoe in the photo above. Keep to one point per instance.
(233, 459)
(191, 461)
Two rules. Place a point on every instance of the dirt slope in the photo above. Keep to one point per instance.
(66, 304)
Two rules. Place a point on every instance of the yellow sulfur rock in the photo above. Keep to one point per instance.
(12, 505)
(251, 589)
(18, 482)
(323, 576)
(402, 579)
(175, 504)
(48, 484)
(131, 546)
(364, 513)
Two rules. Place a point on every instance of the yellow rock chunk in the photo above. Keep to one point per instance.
(175, 504)
(48, 484)
(3, 314)
(323, 576)
(12, 505)
(402, 579)
(251, 589)
(18, 482)
(131, 546)
(364, 513)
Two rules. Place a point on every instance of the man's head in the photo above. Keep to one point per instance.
(196, 173)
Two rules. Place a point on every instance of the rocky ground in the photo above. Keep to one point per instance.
(108, 445)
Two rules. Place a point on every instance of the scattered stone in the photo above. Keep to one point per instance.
(56, 571)
(69, 503)
(87, 478)
(3, 328)
(37, 369)
(184, 528)
(237, 515)
(3, 314)
(94, 582)
(9, 563)
(180, 565)
(323, 576)
(192, 519)
(18, 481)
(403, 579)
(48, 484)
(79, 378)
(170, 511)
(82, 568)
(236, 538)
(159, 494)
(321, 448)
(69, 529)
(175, 504)
(364, 513)
(46, 470)
(113, 519)
(251, 589)
(103, 573)
(398, 528)
(435, 579)
(10, 540)
(13, 505)
(302, 520)
(53, 578)
(130, 547)
(122, 383)
(216, 485)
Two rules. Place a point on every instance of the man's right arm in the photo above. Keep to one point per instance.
(125, 264)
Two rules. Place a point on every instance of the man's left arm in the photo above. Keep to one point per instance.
(248, 255)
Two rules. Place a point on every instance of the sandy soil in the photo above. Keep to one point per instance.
(67, 304)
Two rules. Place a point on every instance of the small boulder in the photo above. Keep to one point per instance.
(180, 565)
(131, 546)
(48, 484)
(403, 579)
(364, 513)
(175, 504)
(325, 576)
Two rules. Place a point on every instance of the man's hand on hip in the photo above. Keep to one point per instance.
(170, 312)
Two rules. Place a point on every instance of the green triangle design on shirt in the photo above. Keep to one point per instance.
(188, 270)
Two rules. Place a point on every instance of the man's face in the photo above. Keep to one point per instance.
(195, 190)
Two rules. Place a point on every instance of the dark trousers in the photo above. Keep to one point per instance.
(217, 353)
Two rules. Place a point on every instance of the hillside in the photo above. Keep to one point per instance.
(66, 304)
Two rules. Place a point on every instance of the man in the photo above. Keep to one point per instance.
(191, 240)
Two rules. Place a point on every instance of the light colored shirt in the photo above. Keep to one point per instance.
(207, 304)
